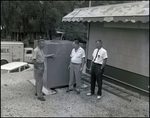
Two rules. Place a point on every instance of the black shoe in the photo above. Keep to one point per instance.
(68, 90)
(78, 92)
(36, 94)
(41, 98)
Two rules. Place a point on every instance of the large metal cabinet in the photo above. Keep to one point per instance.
(57, 73)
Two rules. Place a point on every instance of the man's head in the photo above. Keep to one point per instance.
(75, 44)
(98, 44)
(41, 43)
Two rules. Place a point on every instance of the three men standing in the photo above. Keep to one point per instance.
(76, 66)
(97, 68)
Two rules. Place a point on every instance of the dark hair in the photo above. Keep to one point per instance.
(99, 41)
(76, 41)
(39, 40)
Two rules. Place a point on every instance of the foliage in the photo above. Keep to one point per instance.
(44, 16)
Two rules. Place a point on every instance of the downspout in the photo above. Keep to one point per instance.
(87, 43)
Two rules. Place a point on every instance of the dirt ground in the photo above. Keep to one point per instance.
(18, 100)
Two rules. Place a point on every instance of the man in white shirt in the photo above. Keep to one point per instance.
(38, 58)
(76, 66)
(97, 68)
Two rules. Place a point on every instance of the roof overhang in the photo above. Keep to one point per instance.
(133, 12)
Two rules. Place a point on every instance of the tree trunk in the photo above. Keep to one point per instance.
(47, 33)
(41, 30)
(50, 35)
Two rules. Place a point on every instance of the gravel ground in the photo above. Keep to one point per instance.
(18, 100)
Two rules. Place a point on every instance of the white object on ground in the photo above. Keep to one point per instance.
(84, 86)
(45, 90)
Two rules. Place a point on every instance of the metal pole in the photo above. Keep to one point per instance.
(87, 42)
(89, 3)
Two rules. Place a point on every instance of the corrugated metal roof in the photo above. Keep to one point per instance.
(135, 11)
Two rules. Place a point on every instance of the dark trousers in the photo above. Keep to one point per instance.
(96, 74)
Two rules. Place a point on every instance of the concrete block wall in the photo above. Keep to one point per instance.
(128, 49)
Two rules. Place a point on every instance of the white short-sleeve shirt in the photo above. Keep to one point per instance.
(102, 54)
(76, 56)
(38, 55)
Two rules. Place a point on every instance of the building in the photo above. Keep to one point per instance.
(124, 30)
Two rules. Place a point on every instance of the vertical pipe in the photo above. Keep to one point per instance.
(87, 42)
(90, 3)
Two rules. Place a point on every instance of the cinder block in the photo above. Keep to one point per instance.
(113, 49)
(142, 63)
(119, 57)
(123, 51)
(111, 62)
(133, 60)
(143, 71)
(143, 46)
(119, 64)
(132, 68)
(113, 56)
(143, 55)
(134, 53)
(126, 59)
(126, 51)
(144, 36)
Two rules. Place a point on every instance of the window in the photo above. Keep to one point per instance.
(29, 52)
(14, 70)
(5, 50)
(27, 66)
(21, 68)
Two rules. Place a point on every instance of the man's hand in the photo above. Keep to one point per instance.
(69, 66)
(52, 55)
(89, 69)
(34, 63)
(81, 69)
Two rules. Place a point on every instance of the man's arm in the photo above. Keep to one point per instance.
(91, 66)
(50, 55)
(34, 55)
(82, 64)
(83, 60)
(34, 63)
(104, 63)
(69, 64)
(70, 59)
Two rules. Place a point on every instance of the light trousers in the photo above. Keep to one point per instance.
(38, 74)
(75, 76)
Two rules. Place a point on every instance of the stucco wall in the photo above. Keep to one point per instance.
(128, 48)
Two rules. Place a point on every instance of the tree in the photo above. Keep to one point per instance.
(7, 16)
(72, 30)
(45, 16)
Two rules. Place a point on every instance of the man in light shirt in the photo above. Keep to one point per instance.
(76, 66)
(97, 68)
(38, 58)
